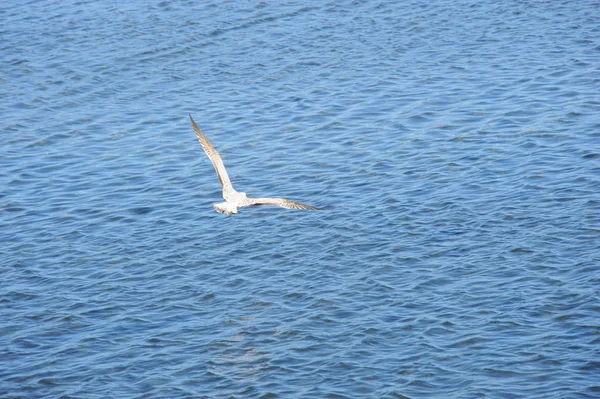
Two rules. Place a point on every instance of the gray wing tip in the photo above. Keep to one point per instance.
(303, 207)
(193, 121)
(311, 208)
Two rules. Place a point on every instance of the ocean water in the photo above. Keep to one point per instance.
(455, 145)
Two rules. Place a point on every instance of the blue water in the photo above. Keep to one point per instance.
(456, 145)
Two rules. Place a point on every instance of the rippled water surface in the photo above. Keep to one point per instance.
(455, 145)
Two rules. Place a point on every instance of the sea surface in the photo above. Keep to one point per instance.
(455, 145)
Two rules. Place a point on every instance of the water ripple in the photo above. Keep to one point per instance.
(454, 146)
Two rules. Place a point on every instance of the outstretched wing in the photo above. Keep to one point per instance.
(282, 202)
(216, 160)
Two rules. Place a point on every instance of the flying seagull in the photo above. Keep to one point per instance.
(235, 199)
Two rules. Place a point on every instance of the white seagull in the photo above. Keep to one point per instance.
(234, 199)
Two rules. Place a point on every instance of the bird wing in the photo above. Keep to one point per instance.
(282, 202)
(216, 160)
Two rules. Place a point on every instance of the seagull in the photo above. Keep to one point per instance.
(237, 199)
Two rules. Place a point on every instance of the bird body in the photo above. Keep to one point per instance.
(237, 199)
